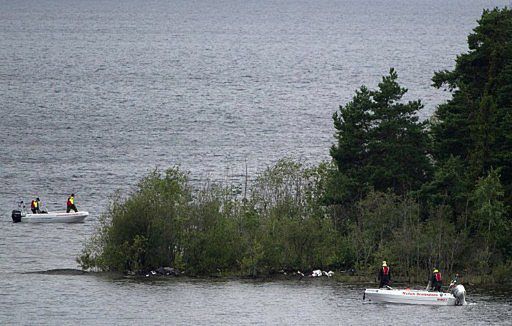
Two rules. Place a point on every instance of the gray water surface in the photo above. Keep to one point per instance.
(94, 94)
(102, 300)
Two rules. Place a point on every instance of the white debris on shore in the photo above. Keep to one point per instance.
(318, 273)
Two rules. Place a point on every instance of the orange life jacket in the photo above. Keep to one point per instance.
(438, 277)
(33, 204)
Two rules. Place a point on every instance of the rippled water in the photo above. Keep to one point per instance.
(93, 94)
(103, 300)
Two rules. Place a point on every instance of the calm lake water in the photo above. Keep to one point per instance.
(94, 94)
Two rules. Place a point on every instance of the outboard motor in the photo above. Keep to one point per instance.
(459, 292)
(16, 216)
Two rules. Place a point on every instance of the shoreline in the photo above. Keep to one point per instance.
(338, 277)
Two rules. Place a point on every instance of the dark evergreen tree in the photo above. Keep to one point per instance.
(398, 141)
(476, 124)
(380, 142)
(351, 153)
(448, 188)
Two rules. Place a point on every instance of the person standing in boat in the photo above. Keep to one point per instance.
(384, 275)
(71, 204)
(35, 206)
(436, 280)
(38, 202)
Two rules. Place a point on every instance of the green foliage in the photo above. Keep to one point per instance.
(449, 188)
(333, 187)
(502, 274)
(472, 142)
(142, 231)
(211, 232)
(440, 244)
(476, 124)
(353, 124)
(380, 142)
(390, 228)
(211, 237)
(488, 219)
(294, 233)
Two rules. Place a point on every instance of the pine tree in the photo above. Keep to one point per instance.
(476, 124)
(380, 142)
(352, 124)
(398, 141)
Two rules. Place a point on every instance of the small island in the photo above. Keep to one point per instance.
(418, 194)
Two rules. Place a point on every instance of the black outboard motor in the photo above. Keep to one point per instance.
(16, 216)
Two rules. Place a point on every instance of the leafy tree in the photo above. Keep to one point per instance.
(488, 219)
(143, 231)
(293, 231)
(211, 242)
(403, 249)
(164, 222)
(439, 244)
(377, 216)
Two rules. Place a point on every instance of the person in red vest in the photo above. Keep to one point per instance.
(436, 280)
(384, 275)
(71, 204)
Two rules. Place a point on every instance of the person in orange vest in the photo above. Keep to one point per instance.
(436, 280)
(71, 204)
(384, 275)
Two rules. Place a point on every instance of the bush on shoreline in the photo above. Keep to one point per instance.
(210, 231)
(281, 227)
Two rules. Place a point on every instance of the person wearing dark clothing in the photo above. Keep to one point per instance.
(384, 275)
(38, 202)
(436, 280)
(71, 204)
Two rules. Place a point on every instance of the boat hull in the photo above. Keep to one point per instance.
(55, 217)
(406, 296)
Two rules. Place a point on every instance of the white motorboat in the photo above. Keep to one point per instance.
(456, 296)
(49, 217)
